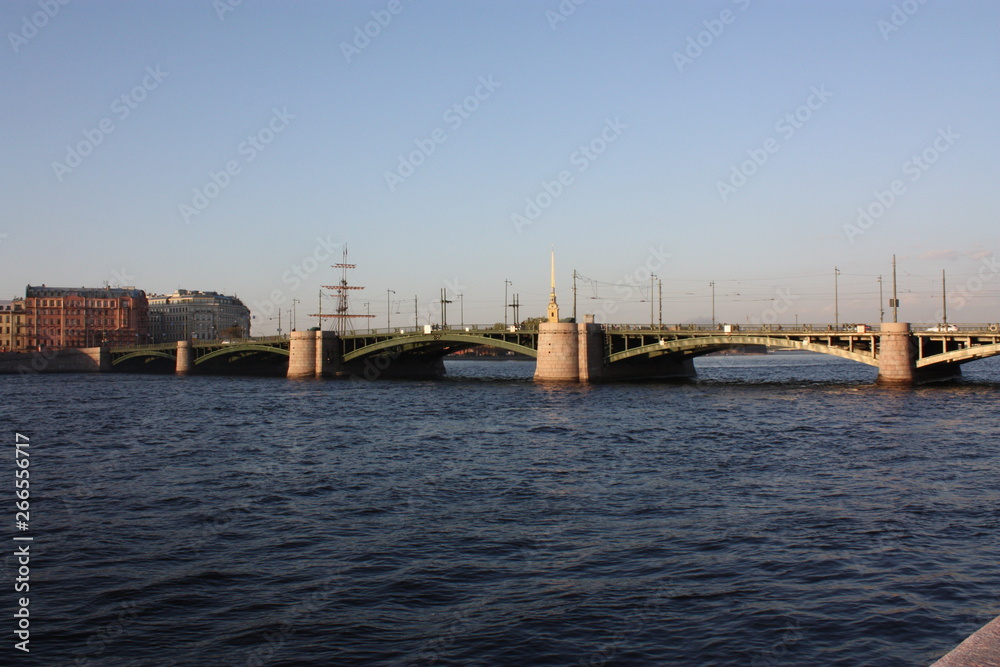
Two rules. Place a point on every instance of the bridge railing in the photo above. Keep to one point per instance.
(452, 328)
(725, 327)
(978, 328)
(720, 327)
(202, 342)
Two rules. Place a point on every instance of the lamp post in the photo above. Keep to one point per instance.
(506, 283)
(652, 277)
(294, 318)
(895, 299)
(461, 310)
(388, 309)
(712, 285)
(881, 307)
(660, 284)
(836, 299)
(944, 301)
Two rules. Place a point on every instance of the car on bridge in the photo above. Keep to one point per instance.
(943, 327)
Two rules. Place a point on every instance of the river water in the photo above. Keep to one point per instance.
(778, 510)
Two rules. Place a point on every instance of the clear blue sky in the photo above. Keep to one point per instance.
(313, 121)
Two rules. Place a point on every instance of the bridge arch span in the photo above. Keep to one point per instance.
(696, 347)
(237, 349)
(438, 342)
(961, 356)
(143, 354)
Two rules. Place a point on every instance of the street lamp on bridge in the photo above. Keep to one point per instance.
(712, 285)
(388, 309)
(506, 283)
(836, 300)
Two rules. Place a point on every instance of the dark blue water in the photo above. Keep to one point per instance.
(779, 510)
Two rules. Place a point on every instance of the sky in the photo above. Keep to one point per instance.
(774, 153)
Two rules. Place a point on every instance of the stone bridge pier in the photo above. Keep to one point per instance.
(574, 352)
(184, 358)
(313, 354)
(897, 359)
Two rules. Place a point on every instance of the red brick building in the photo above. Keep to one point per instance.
(57, 317)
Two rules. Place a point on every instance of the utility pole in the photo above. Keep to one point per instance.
(416, 320)
(660, 281)
(294, 318)
(836, 299)
(368, 314)
(319, 316)
(444, 307)
(388, 310)
(461, 310)
(574, 295)
(652, 277)
(712, 285)
(895, 301)
(944, 300)
(881, 304)
(516, 305)
(505, 284)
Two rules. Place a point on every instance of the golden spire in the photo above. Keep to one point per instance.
(553, 306)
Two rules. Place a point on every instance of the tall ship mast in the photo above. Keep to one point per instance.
(342, 313)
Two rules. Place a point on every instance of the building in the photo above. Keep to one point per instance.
(58, 317)
(11, 324)
(187, 315)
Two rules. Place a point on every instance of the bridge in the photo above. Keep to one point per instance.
(569, 351)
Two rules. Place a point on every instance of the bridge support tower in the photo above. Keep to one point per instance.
(184, 360)
(313, 354)
(897, 359)
(574, 352)
(559, 351)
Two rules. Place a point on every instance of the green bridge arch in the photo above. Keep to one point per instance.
(234, 349)
(695, 347)
(432, 340)
(961, 356)
(143, 353)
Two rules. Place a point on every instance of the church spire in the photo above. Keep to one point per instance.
(553, 306)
